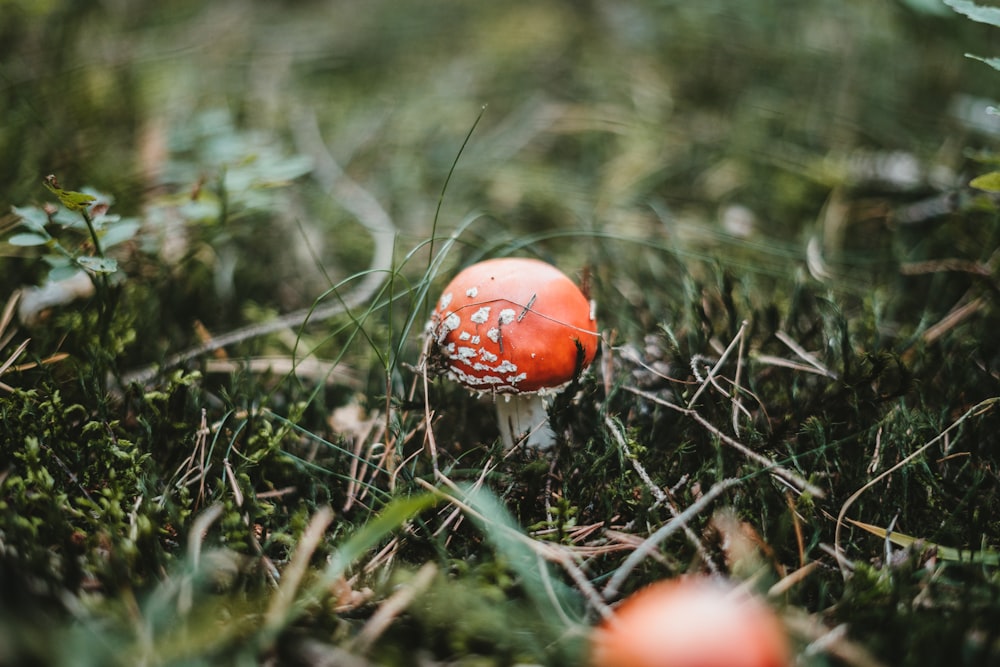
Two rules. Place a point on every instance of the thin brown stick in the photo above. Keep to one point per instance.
(428, 414)
(393, 606)
(715, 369)
(800, 539)
(790, 580)
(7, 316)
(804, 355)
(283, 599)
(737, 405)
(952, 319)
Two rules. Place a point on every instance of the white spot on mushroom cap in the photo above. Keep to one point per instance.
(502, 367)
(507, 315)
(452, 322)
(472, 292)
(498, 377)
(506, 367)
(445, 301)
(481, 315)
(460, 376)
(494, 334)
(464, 335)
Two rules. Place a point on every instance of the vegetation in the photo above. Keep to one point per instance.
(225, 225)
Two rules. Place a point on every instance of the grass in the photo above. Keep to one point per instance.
(231, 453)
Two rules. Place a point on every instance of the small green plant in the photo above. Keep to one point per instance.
(73, 238)
(76, 235)
(234, 172)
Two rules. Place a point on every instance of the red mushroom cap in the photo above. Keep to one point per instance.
(690, 623)
(513, 325)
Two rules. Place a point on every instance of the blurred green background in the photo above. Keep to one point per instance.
(712, 124)
(800, 166)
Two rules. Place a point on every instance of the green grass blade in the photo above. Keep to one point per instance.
(550, 597)
(981, 557)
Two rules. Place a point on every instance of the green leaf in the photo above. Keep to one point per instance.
(74, 201)
(32, 217)
(282, 172)
(119, 232)
(392, 517)
(981, 557)
(62, 272)
(551, 598)
(976, 12)
(989, 182)
(67, 219)
(985, 156)
(992, 62)
(28, 239)
(98, 264)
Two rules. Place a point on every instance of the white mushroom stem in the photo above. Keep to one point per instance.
(524, 418)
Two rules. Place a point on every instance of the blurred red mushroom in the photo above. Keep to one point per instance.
(694, 622)
(520, 329)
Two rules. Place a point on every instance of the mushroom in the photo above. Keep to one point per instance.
(692, 622)
(517, 328)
